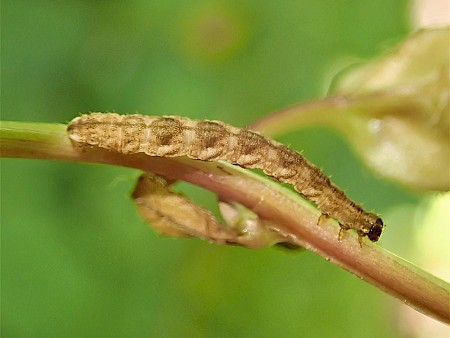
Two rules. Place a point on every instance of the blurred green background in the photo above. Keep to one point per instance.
(77, 260)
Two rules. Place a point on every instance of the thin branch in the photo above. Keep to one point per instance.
(413, 286)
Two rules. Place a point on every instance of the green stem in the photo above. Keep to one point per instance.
(413, 286)
(301, 115)
(330, 112)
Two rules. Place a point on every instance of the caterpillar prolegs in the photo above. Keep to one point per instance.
(171, 136)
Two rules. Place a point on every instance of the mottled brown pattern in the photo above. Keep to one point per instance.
(172, 136)
(250, 142)
(166, 130)
(209, 142)
(250, 150)
(131, 131)
(210, 134)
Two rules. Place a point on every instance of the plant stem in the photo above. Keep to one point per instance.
(294, 216)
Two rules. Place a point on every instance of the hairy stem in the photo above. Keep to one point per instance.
(413, 286)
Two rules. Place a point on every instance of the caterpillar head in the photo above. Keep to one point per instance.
(375, 227)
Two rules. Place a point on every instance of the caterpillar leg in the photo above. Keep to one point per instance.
(360, 240)
(322, 218)
(342, 232)
(344, 229)
(361, 235)
(172, 214)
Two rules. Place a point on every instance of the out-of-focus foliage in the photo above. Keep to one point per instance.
(76, 258)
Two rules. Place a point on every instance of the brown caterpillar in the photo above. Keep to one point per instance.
(171, 136)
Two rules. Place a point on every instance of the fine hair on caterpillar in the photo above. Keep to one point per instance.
(172, 136)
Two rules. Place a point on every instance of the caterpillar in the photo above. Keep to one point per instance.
(205, 140)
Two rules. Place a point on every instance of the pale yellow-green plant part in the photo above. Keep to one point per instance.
(394, 111)
(173, 214)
